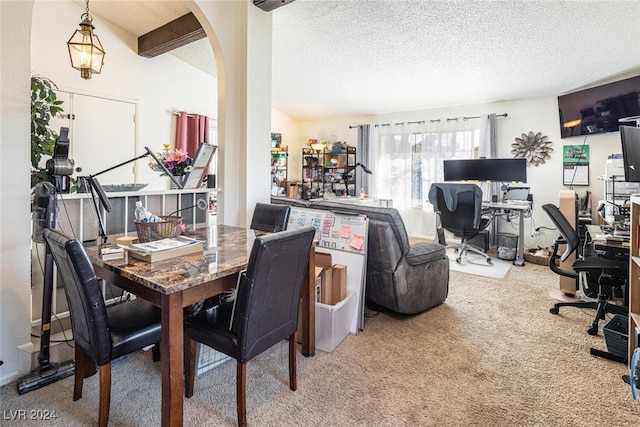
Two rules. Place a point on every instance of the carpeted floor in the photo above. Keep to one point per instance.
(491, 355)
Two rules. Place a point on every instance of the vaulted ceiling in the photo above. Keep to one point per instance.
(350, 57)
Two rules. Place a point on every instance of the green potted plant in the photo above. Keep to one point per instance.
(44, 106)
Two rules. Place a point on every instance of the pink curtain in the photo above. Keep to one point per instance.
(191, 130)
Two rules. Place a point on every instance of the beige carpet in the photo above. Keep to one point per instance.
(492, 355)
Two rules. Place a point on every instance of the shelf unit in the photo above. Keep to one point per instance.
(279, 165)
(617, 190)
(329, 170)
(634, 276)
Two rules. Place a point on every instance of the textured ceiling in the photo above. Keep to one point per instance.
(352, 57)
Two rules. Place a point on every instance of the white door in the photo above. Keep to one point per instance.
(102, 135)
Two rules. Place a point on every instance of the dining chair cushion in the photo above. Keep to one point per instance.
(212, 326)
(130, 333)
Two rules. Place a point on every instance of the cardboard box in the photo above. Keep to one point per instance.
(324, 261)
(326, 286)
(338, 283)
(293, 189)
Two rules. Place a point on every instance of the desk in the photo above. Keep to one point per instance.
(179, 282)
(610, 248)
(497, 208)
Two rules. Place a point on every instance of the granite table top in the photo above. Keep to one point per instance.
(226, 252)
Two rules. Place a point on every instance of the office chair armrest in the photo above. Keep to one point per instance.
(554, 257)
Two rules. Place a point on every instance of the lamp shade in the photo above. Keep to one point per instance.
(85, 50)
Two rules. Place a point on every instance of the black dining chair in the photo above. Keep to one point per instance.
(264, 313)
(271, 218)
(101, 334)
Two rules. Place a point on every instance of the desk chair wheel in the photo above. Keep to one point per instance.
(459, 259)
(591, 330)
(490, 261)
(554, 310)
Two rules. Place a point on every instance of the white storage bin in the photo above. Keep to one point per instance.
(333, 322)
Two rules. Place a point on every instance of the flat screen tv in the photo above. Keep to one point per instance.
(630, 138)
(599, 109)
(497, 170)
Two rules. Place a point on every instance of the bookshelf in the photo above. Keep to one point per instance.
(329, 170)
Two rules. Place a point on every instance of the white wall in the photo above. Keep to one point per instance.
(15, 258)
(535, 114)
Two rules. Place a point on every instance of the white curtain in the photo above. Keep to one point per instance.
(408, 157)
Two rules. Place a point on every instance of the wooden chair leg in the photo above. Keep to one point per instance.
(155, 352)
(189, 366)
(79, 374)
(293, 383)
(241, 397)
(105, 395)
(85, 367)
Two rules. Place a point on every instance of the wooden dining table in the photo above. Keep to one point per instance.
(179, 282)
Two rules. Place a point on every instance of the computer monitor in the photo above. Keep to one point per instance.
(497, 170)
(630, 139)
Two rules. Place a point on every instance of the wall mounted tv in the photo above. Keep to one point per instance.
(496, 170)
(630, 139)
(599, 109)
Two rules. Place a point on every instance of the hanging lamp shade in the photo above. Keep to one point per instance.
(85, 50)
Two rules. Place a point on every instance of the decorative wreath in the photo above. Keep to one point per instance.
(533, 147)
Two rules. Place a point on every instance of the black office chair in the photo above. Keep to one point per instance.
(459, 207)
(597, 272)
(272, 218)
(100, 334)
(264, 313)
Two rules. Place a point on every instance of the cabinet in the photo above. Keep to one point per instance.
(329, 170)
(634, 276)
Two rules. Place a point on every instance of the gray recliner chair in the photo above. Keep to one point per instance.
(401, 277)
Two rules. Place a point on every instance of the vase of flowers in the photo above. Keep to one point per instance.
(177, 162)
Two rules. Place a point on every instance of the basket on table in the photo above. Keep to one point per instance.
(168, 227)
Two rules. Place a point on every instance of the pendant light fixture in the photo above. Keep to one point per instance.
(85, 50)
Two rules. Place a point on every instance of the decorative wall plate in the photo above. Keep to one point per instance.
(534, 147)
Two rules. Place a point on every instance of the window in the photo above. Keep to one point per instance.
(408, 159)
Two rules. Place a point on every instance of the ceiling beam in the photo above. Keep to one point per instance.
(173, 35)
(269, 5)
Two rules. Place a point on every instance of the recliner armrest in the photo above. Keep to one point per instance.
(425, 252)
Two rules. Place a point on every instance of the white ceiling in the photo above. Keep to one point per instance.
(351, 57)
